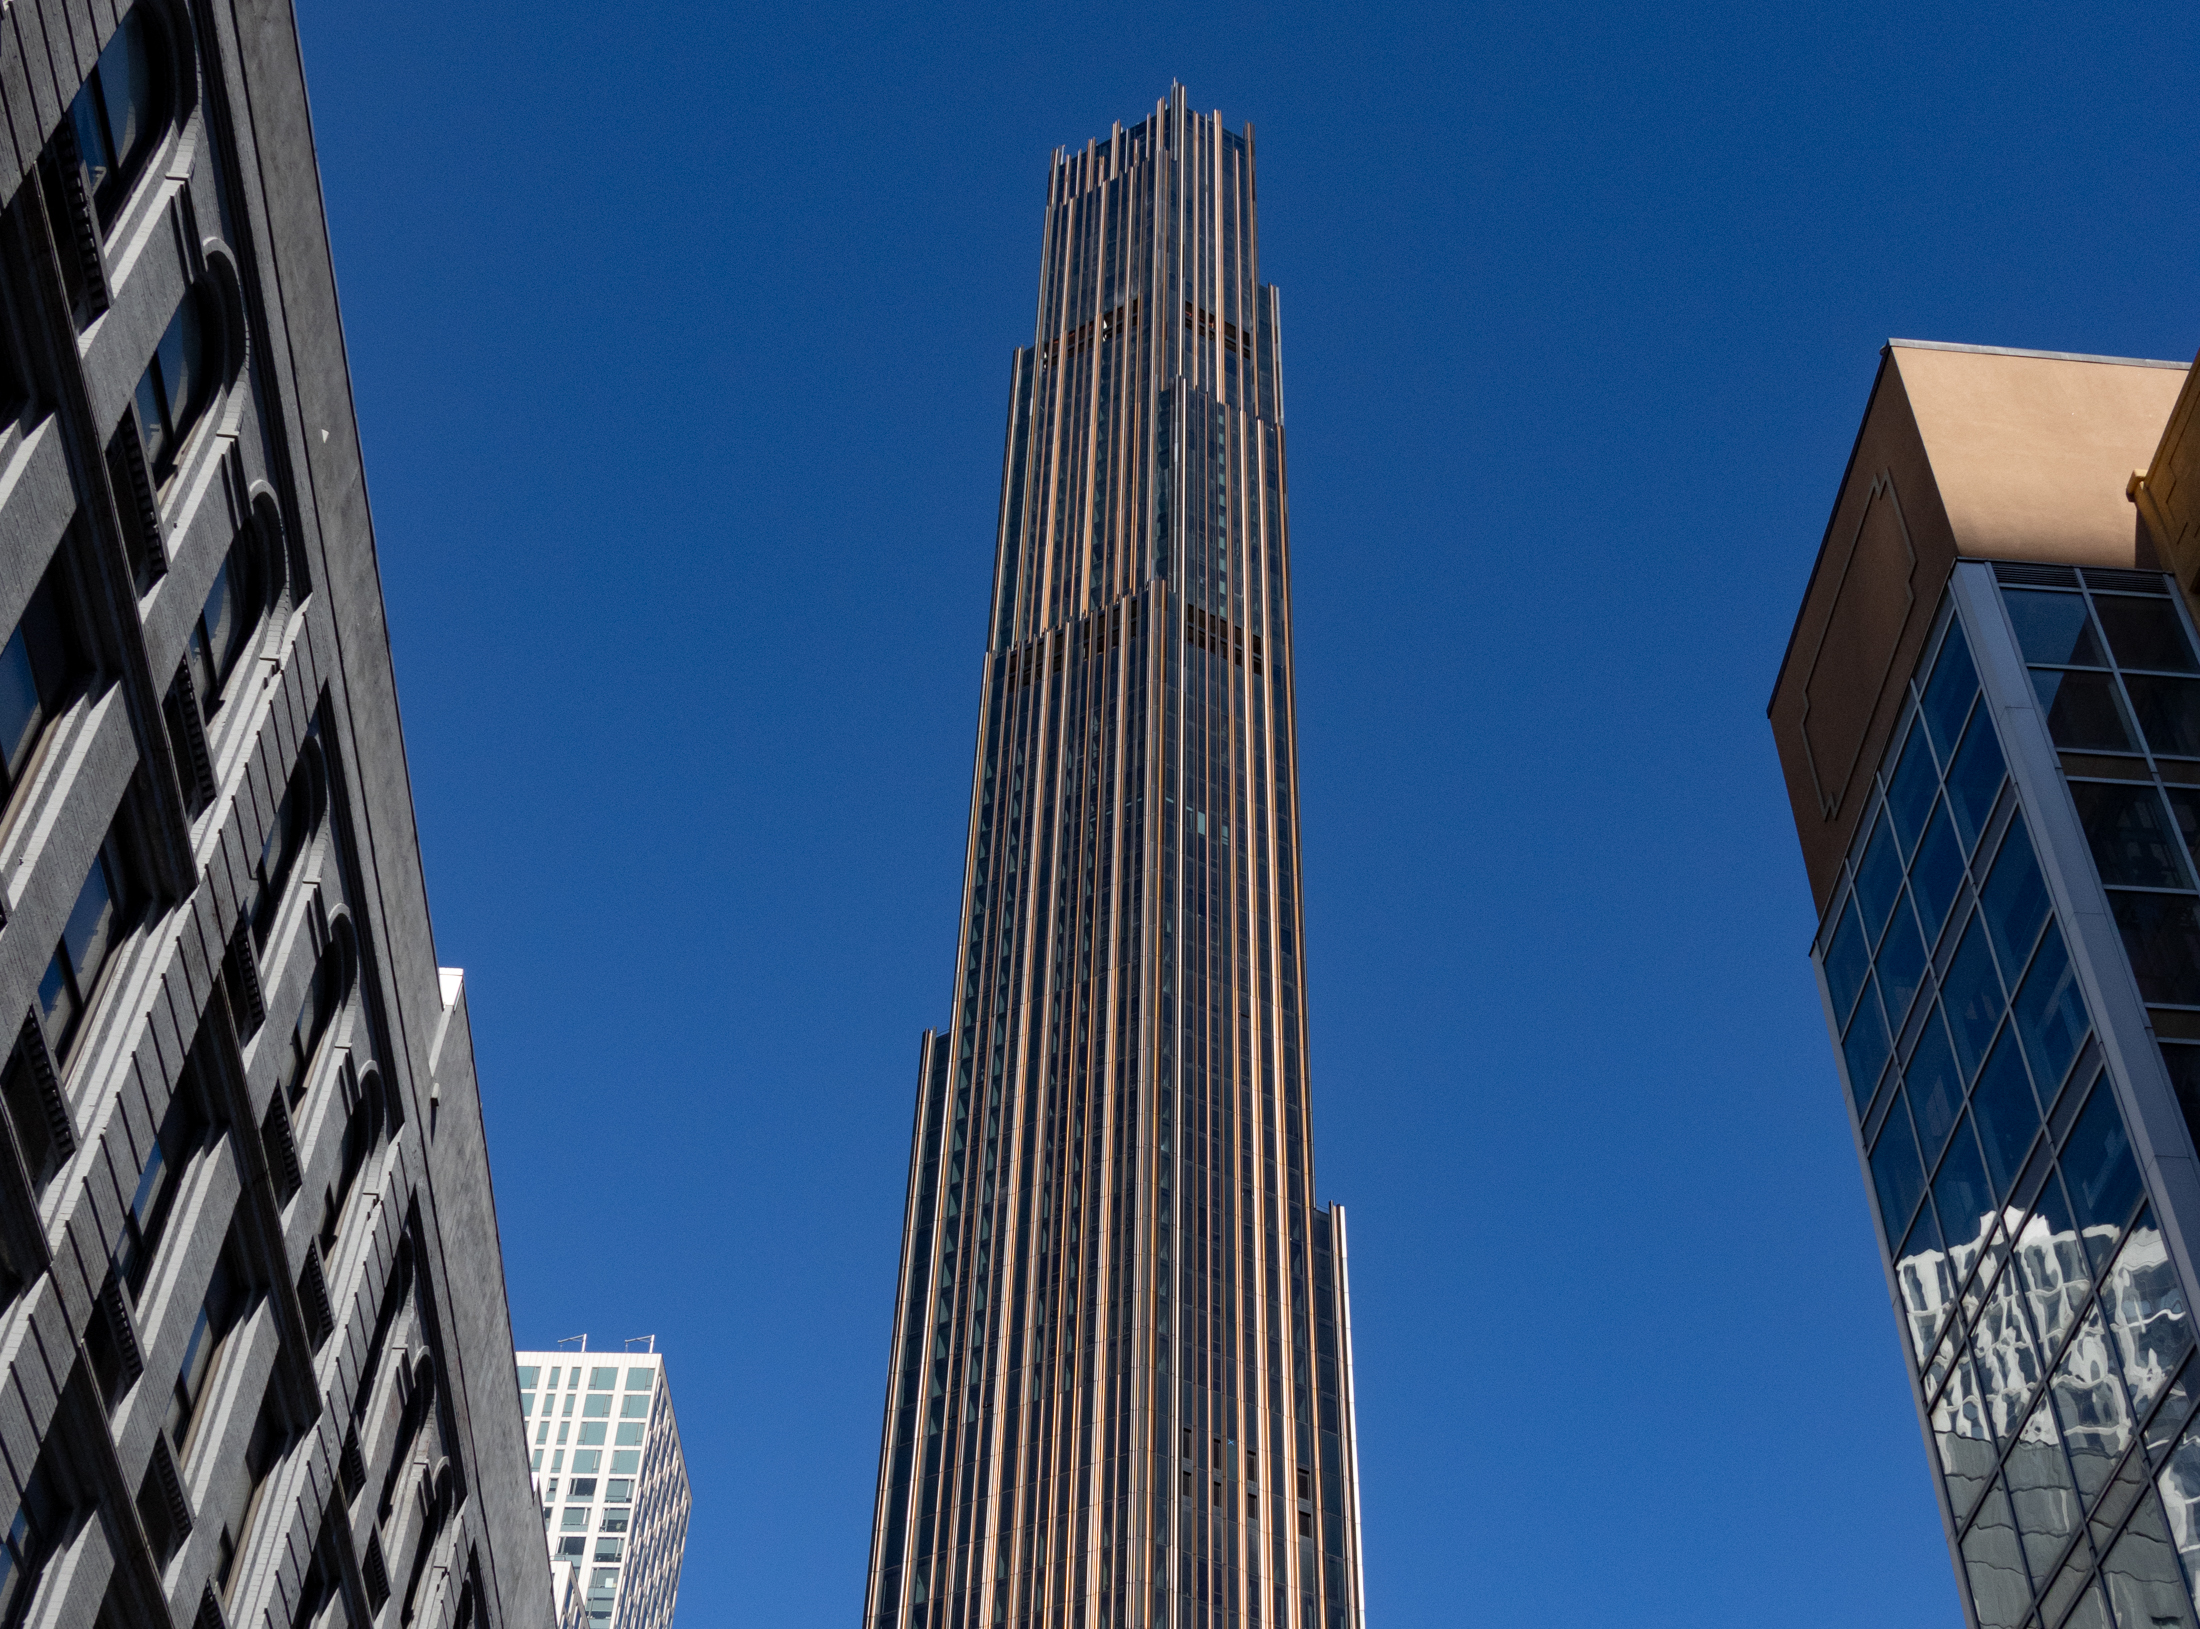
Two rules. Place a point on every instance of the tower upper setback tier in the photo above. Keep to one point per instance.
(1120, 1388)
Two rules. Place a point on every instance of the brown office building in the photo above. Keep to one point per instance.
(1989, 720)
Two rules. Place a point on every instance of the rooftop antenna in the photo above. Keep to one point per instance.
(631, 1339)
(570, 1339)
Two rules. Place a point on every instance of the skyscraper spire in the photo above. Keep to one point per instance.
(1120, 1389)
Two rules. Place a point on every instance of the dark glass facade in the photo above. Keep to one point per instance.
(2011, 970)
(1120, 1388)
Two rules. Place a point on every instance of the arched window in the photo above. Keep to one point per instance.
(231, 615)
(324, 998)
(287, 834)
(116, 116)
(174, 389)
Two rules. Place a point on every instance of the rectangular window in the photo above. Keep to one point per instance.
(526, 1405)
(626, 1459)
(528, 1375)
(592, 1432)
(216, 1314)
(614, 1520)
(598, 1408)
(39, 671)
(104, 911)
(582, 1487)
(602, 1379)
(618, 1492)
(634, 1408)
(575, 1518)
(639, 1379)
(607, 1549)
(182, 1130)
(630, 1435)
(588, 1459)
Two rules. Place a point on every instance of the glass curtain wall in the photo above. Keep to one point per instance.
(2044, 1309)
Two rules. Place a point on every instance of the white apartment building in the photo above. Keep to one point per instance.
(604, 1448)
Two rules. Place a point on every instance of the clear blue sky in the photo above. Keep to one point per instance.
(681, 338)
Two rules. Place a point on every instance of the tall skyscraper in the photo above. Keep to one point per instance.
(1989, 721)
(1120, 1390)
(253, 1334)
(605, 1448)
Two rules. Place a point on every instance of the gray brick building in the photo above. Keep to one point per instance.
(255, 1358)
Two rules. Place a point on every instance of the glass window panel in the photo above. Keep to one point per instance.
(2168, 711)
(1865, 1048)
(592, 1434)
(1974, 780)
(2083, 711)
(634, 1408)
(626, 1459)
(618, 1490)
(2089, 1613)
(1971, 997)
(2001, 1590)
(19, 705)
(1878, 878)
(629, 1435)
(126, 86)
(152, 417)
(93, 142)
(2168, 1424)
(602, 1379)
(1949, 691)
(529, 1374)
(1935, 1089)
(91, 926)
(1847, 958)
(2058, 1275)
(2129, 832)
(57, 1004)
(2051, 1012)
(640, 1379)
(2089, 1407)
(2141, 1577)
(181, 363)
(2008, 1364)
(1896, 1171)
(2096, 1160)
(614, 1520)
(1966, 1447)
(2145, 633)
(2040, 1491)
(1937, 872)
(597, 1408)
(2144, 1306)
(1901, 962)
(1910, 790)
(2162, 938)
(2015, 898)
(2179, 1488)
(2007, 1117)
(1960, 1194)
(1922, 1274)
(221, 623)
(2053, 629)
(576, 1516)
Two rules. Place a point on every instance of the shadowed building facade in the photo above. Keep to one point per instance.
(1988, 718)
(254, 1350)
(1121, 1390)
